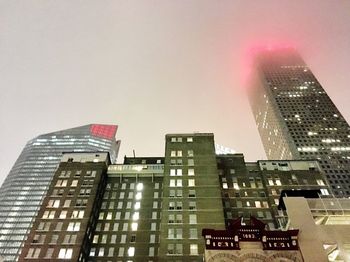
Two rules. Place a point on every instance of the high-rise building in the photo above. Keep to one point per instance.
(296, 118)
(155, 208)
(24, 188)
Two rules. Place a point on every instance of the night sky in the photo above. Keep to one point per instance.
(155, 67)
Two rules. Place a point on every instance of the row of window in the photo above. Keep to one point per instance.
(50, 214)
(178, 172)
(178, 183)
(64, 253)
(178, 153)
(179, 139)
(177, 249)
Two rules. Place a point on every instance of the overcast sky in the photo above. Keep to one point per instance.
(154, 67)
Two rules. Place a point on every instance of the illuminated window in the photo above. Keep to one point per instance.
(134, 226)
(194, 249)
(131, 251)
(74, 183)
(65, 253)
(191, 172)
(73, 226)
(193, 219)
(189, 139)
(191, 182)
(63, 214)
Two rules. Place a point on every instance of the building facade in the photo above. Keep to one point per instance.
(155, 208)
(27, 183)
(296, 118)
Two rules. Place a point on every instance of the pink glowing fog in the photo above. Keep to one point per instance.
(155, 67)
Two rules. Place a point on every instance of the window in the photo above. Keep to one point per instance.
(152, 238)
(257, 204)
(63, 214)
(153, 226)
(320, 182)
(190, 162)
(65, 253)
(77, 214)
(74, 183)
(61, 183)
(73, 226)
(191, 172)
(179, 182)
(278, 182)
(123, 239)
(39, 239)
(191, 183)
(59, 226)
(151, 252)
(131, 251)
(53, 203)
(172, 183)
(189, 139)
(192, 193)
(110, 252)
(193, 233)
(113, 239)
(49, 253)
(192, 205)
(54, 239)
(101, 252)
(121, 252)
(71, 239)
(67, 203)
(49, 214)
(194, 249)
(33, 253)
(324, 192)
(193, 219)
(190, 153)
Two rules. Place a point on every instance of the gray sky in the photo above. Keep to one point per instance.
(154, 67)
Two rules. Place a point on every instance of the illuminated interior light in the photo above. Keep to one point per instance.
(134, 226)
(136, 216)
(138, 168)
(139, 187)
(131, 251)
(137, 205)
(138, 196)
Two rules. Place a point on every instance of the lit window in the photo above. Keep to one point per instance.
(137, 205)
(193, 219)
(179, 182)
(179, 172)
(224, 185)
(257, 204)
(101, 252)
(134, 226)
(324, 192)
(63, 214)
(320, 182)
(131, 251)
(194, 249)
(172, 183)
(73, 226)
(193, 233)
(190, 153)
(278, 182)
(172, 172)
(65, 253)
(189, 139)
(74, 183)
(139, 186)
(121, 252)
(191, 172)
(136, 216)
(191, 182)
(138, 196)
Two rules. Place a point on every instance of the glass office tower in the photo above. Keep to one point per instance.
(24, 188)
(296, 118)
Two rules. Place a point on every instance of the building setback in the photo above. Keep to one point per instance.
(296, 118)
(154, 209)
(24, 188)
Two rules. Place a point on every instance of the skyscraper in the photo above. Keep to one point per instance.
(296, 118)
(24, 188)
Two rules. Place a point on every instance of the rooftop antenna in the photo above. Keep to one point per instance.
(133, 151)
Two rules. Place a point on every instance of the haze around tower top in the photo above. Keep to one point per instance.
(155, 67)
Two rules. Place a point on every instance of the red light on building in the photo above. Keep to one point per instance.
(104, 131)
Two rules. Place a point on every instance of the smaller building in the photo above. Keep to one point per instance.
(324, 226)
(252, 242)
(69, 212)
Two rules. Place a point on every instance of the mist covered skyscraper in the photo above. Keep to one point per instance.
(296, 118)
(26, 184)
